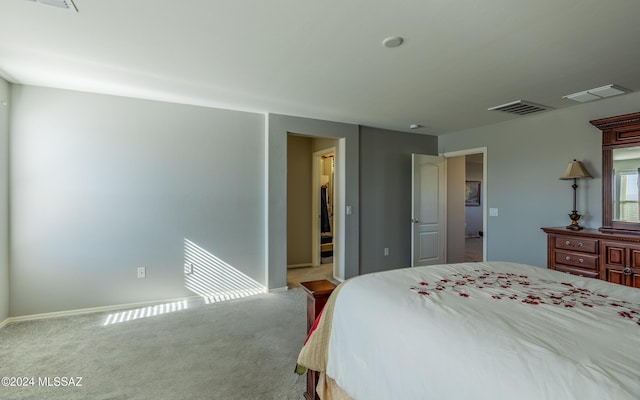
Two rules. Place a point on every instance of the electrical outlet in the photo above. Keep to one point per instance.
(386, 251)
(142, 272)
(188, 268)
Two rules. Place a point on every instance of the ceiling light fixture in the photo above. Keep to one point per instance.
(415, 126)
(392, 41)
(596, 93)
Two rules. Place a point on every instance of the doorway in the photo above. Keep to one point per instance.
(467, 205)
(474, 218)
(313, 234)
(323, 195)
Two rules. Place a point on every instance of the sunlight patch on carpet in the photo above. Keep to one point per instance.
(146, 312)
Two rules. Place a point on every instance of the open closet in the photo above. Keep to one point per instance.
(327, 165)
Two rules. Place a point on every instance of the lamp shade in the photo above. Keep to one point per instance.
(575, 170)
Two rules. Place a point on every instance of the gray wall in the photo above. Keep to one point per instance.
(278, 128)
(4, 199)
(525, 158)
(385, 196)
(101, 185)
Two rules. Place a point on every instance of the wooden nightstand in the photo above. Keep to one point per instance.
(318, 293)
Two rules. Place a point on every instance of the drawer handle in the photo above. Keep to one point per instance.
(567, 258)
(580, 244)
(627, 271)
(568, 243)
(580, 260)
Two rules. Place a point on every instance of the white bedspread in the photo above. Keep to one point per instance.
(471, 331)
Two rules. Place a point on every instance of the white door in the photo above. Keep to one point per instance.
(428, 230)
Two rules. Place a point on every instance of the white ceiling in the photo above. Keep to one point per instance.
(324, 59)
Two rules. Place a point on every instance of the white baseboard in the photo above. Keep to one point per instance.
(80, 311)
(116, 307)
(299, 265)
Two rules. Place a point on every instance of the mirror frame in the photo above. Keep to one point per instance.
(617, 132)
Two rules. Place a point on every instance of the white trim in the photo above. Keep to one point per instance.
(465, 152)
(5, 323)
(266, 200)
(279, 290)
(91, 310)
(339, 210)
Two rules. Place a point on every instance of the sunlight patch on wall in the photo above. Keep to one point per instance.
(214, 279)
(145, 312)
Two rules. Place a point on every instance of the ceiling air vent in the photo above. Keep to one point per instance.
(520, 107)
(597, 93)
(64, 4)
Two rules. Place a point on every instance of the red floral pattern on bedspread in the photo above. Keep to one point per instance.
(533, 291)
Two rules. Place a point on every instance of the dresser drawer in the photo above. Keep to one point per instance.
(577, 271)
(605, 253)
(580, 244)
(585, 261)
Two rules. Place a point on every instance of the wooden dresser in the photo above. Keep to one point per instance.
(594, 254)
(612, 252)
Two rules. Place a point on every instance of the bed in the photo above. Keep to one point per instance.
(492, 330)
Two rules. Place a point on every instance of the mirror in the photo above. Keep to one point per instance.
(624, 190)
(620, 173)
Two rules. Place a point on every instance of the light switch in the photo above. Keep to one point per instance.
(348, 210)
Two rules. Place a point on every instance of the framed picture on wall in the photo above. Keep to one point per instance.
(472, 193)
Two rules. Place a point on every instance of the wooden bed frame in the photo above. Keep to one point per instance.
(318, 293)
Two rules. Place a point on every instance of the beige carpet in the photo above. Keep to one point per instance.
(297, 275)
(239, 349)
(473, 249)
